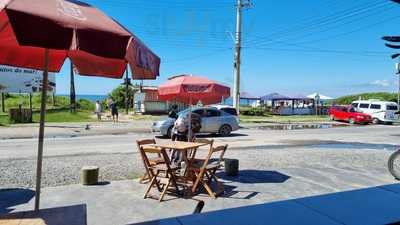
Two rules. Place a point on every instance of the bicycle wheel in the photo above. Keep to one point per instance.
(394, 164)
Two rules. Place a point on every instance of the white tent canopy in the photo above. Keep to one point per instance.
(321, 97)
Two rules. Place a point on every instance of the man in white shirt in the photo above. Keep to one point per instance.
(98, 110)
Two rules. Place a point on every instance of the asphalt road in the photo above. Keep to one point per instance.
(375, 137)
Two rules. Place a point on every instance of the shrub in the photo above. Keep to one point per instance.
(384, 96)
(118, 95)
(257, 111)
(86, 105)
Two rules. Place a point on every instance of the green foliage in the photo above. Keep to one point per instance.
(4, 120)
(55, 113)
(118, 95)
(13, 101)
(283, 119)
(253, 111)
(85, 105)
(64, 115)
(384, 96)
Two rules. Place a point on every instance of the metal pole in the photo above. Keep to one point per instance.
(72, 96)
(41, 130)
(3, 105)
(236, 86)
(54, 98)
(126, 92)
(30, 102)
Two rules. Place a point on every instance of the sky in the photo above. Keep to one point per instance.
(332, 47)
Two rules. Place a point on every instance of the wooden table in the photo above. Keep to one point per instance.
(182, 147)
(179, 145)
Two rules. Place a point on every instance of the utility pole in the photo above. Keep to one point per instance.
(3, 106)
(126, 92)
(238, 47)
(72, 96)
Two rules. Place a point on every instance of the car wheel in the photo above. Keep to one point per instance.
(225, 130)
(352, 121)
(332, 117)
(394, 164)
(375, 121)
(169, 132)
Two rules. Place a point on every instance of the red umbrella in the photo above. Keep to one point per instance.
(41, 34)
(69, 28)
(192, 89)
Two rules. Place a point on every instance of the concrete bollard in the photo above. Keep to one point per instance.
(90, 175)
(231, 167)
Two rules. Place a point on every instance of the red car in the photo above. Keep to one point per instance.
(348, 113)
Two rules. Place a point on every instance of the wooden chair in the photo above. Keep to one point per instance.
(209, 142)
(154, 160)
(207, 169)
(162, 175)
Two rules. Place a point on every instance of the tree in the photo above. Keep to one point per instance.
(118, 95)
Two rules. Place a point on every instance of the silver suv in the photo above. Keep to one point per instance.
(213, 120)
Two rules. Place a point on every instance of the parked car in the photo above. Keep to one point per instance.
(213, 121)
(380, 111)
(350, 114)
(226, 108)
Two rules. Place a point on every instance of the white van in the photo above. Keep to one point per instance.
(380, 111)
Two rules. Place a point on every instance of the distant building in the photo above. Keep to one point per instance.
(288, 105)
(148, 102)
(246, 99)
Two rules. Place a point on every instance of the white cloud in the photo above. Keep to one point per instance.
(380, 83)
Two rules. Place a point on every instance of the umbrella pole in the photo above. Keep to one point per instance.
(41, 129)
(190, 119)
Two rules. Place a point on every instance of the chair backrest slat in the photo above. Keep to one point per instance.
(145, 142)
(208, 142)
(205, 141)
(213, 150)
(151, 149)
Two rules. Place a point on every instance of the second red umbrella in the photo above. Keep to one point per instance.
(192, 89)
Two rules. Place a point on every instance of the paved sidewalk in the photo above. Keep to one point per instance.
(121, 202)
(370, 206)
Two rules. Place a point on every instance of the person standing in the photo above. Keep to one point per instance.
(173, 113)
(114, 111)
(98, 110)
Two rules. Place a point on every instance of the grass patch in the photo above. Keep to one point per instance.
(58, 112)
(283, 119)
(4, 120)
(61, 116)
(56, 116)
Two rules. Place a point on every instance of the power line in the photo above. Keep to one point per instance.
(324, 21)
(298, 37)
(186, 59)
(352, 31)
(328, 51)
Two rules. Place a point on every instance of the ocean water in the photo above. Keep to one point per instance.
(92, 98)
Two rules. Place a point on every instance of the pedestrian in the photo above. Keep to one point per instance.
(179, 131)
(173, 113)
(98, 110)
(114, 111)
